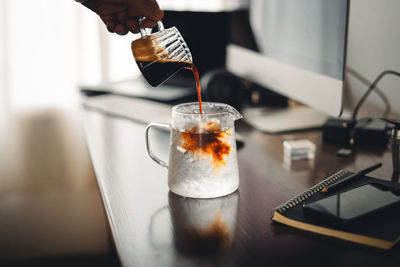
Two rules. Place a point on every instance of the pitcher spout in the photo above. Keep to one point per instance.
(233, 113)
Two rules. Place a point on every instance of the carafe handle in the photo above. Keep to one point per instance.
(143, 32)
(160, 125)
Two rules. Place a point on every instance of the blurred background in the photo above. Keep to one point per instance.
(50, 208)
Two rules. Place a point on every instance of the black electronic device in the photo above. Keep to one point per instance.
(349, 206)
(366, 131)
(380, 229)
(220, 85)
(337, 131)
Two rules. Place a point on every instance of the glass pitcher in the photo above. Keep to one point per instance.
(202, 153)
(162, 54)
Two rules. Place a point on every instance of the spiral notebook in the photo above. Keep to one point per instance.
(380, 230)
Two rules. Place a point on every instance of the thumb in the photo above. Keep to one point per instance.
(148, 9)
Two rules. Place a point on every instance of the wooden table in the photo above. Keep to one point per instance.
(152, 227)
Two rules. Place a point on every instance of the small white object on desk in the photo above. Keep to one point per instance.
(298, 149)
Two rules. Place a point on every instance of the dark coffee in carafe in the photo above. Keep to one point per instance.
(156, 73)
(162, 54)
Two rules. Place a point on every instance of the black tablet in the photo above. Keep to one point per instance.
(356, 203)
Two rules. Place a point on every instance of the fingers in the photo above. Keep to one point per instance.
(110, 26)
(133, 25)
(147, 23)
(148, 9)
(108, 9)
(154, 13)
(118, 24)
(121, 29)
(109, 21)
(123, 16)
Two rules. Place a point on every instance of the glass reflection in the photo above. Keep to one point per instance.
(203, 227)
(298, 165)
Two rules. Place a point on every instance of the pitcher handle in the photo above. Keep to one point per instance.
(160, 27)
(160, 125)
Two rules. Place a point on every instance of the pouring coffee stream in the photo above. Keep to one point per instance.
(196, 77)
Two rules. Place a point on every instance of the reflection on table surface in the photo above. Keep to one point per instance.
(154, 227)
(203, 226)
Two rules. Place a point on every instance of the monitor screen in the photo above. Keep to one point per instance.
(309, 34)
(302, 51)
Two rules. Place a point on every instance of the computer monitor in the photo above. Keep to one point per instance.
(302, 56)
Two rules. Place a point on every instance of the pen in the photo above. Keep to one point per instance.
(361, 173)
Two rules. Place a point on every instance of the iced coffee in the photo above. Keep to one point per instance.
(203, 160)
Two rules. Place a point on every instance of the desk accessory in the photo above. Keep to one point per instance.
(379, 230)
(298, 149)
(342, 182)
(365, 131)
(344, 152)
(395, 141)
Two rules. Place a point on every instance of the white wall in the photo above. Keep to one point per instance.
(373, 46)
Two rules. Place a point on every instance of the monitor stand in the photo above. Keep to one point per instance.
(281, 120)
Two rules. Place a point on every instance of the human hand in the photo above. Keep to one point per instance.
(122, 16)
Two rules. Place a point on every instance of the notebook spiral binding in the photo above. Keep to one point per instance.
(313, 190)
